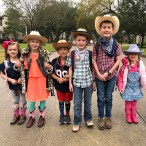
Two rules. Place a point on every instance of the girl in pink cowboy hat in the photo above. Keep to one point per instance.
(13, 78)
(131, 78)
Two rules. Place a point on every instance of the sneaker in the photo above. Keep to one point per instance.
(108, 123)
(89, 123)
(68, 119)
(75, 128)
(61, 120)
(101, 124)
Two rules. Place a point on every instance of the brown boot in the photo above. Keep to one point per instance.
(31, 119)
(101, 124)
(15, 120)
(108, 123)
(16, 115)
(41, 121)
(23, 116)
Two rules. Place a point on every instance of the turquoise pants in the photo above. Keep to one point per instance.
(31, 105)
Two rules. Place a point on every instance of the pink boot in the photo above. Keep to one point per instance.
(133, 109)
(16, 115)
(128, 111)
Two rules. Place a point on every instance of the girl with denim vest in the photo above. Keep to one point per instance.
(131, 78)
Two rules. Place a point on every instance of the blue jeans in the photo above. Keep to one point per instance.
(104, 96)
(78, 96)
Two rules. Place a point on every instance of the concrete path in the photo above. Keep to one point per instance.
(53, 134)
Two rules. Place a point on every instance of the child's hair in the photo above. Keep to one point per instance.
(82, 35)
(63, 47)
(106, 21)
(135, 53)
(7, 56)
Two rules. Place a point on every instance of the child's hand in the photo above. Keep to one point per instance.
(65, 79)
(121, 91)
(71, 87)
(105, 75)
(101, 77)
(19, 81)
(13, 81)
(60, 80)
(18, 63)
(47, 65)
(94, 86)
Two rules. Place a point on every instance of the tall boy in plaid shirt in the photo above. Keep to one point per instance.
(80, 80)
(106, 62)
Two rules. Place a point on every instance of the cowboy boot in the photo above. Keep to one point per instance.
(128, 111)
(31, 119)
(16, 115)
(22, 116)
(41, 121)
(134, 118)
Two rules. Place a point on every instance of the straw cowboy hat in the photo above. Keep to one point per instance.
(113, 19)
(35, 35)
(133, 49)
(82, 31)
(62, 44)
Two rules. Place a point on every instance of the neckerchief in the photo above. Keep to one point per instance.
(107, 46)
(80, 54)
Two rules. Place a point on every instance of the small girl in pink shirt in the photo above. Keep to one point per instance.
(131, 78)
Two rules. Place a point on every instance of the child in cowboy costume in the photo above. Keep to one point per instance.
(80, 77)
(61, 79)
(13, 78)
(131, 78)
(106, 61)
(35, 71)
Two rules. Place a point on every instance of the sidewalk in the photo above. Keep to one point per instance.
(53, 134)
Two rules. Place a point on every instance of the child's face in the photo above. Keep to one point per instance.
(106, 30)
(81, 42)
(34, 45)
(12, 50)
(63, 52)
(133, 57)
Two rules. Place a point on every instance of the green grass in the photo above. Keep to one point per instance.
(50, 49)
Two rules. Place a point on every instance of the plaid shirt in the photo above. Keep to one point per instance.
(104, 62)
(82, 76)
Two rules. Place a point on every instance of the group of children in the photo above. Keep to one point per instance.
(29, 74)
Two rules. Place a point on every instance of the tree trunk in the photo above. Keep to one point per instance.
(142, 40)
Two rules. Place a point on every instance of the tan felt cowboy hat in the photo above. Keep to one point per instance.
(82, 31)
(62, 44)
(35, 35)
(113, 19)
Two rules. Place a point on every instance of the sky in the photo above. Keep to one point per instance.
(2, 8)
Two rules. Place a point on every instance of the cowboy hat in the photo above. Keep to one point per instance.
(62, 44)
(82, 31)
(133, 49)
(113, 19)
(35, 35)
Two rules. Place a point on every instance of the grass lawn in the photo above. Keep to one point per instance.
(50, 49)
